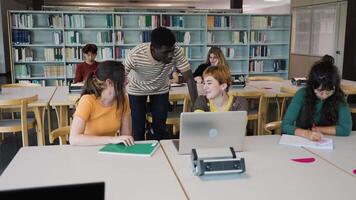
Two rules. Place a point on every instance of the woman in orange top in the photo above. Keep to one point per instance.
(103, 113)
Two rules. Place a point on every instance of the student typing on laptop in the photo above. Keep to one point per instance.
(216, 86)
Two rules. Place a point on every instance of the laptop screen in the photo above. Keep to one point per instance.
(94, 191)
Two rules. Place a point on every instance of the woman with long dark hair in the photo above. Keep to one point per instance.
(319, 108)
(103, 113)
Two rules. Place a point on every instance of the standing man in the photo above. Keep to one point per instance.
(148, 66)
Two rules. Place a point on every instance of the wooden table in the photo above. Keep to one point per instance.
(125, 177)
(270, 174)
(44, 96)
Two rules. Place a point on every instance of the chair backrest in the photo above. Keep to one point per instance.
(264, 78)
(61, 133)
(282, 101)
(23, 103)
(253, 96)
(272, 126)
(16, 85)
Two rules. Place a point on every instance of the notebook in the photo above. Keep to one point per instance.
(211, 130)
(324, 143)
(138, 149)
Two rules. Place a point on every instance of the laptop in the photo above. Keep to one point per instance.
(95, 191)
(211, 130)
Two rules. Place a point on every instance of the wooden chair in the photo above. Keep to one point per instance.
(18, 125)
(264, 78)
(17, 85)
(62, 133)
(272, 127)
(173, 118)
(255, 114)
(282, 101)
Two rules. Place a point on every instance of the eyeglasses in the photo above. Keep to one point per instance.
(326, 92)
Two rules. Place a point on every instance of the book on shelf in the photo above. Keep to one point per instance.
(146, 149)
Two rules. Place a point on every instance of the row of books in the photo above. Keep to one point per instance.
(258, 37)
(121, 53)
(182, 37)
(73, 37)
(173, 21)
(74, 21)
(255, 66)
(104, 37)
(21, 36)
(50, 71)
(53, 54)
(25, 71)
(105, 54)
(260, 51)
(187, 52)
(22, 54)
(219, 21)
(74, 53)
(22, 20)
(151, 21)
(262, 22)
(57, 37)
(237, 37)
(119, 22)
(228, 52)
(145, 36)
(54, 21)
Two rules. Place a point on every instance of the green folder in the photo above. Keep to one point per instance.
(138, 149)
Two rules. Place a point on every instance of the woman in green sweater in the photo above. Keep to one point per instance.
(319, 108)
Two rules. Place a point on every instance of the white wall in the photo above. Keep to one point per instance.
(284, 9)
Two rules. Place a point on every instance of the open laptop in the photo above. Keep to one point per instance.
(95, 191)
(211, 130)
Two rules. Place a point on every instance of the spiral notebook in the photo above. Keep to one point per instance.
(138, 149)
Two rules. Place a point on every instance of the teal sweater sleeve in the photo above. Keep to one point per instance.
(291, 116)
(344, 123)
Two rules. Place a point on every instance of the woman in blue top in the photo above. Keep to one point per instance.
(319, 108)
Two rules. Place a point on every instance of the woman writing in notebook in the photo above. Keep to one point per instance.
(319, 108)
(215, 58)
(216, 86)
(103, 114)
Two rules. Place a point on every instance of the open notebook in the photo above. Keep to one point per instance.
(324, 143)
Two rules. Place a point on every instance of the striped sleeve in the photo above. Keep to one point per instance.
(182, 63)
(128, 62)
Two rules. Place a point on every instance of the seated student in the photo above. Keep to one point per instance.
(216, 86)
(83, 70)
(319, 108)
(103, 110)
(215, 58)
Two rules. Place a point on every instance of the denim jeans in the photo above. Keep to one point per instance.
(159, 110)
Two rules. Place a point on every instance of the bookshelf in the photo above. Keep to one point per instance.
(46, 46)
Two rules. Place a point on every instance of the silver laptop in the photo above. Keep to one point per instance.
(211, 130)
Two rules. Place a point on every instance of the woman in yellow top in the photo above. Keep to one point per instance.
(103, 113)
(216, 86)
